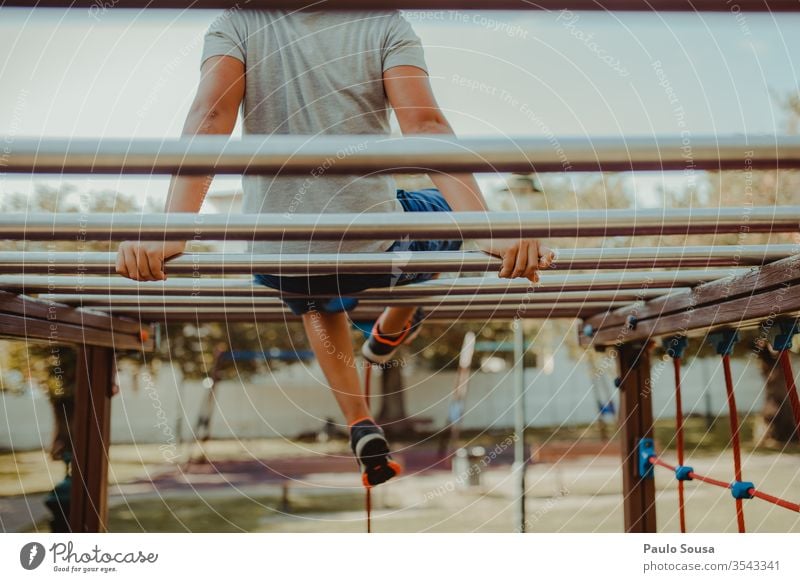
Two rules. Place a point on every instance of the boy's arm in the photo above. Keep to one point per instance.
(410, 95)
(214, 111)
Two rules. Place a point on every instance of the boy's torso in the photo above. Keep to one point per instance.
(313, 73)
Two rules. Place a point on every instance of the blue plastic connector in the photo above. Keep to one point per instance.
(741, 489)
(724, 340)
(684, 473)
(675, 346)
(787, 329)
(588, 330)
(647, 449)
(607, 408)
(631, 322)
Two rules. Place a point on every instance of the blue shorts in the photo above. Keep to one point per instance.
(339, 286)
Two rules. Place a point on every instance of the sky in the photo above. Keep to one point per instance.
(134, 73)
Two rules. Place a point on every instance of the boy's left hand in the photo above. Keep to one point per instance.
(521, 258)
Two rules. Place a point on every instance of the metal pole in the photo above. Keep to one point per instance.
(202, 286)
(520, 422)
(96, 263)
(301, 155)
(509, 299)
(277, 316)
(550, 5)
(397, 225)
(279, 308)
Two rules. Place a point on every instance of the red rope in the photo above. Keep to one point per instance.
(791, 389)
(776, 500)
(754, 492)
(709, 480)
(368, 494)
(734, 420)
(660, 463)
(676, 364)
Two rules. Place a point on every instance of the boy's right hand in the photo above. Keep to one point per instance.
(521, 258)
(144, 260)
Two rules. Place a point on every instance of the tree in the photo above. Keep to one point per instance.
(53, 367)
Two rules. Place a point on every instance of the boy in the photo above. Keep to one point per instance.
(312, 73)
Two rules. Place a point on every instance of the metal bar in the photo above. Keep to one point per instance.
(358, 154)
(279, 308)
(483, 5)
(605, 297)
(520, 450)
(636, 415)
(397, 225)
(95, 263)
(250, 316)
(203, 287)
(370, 313)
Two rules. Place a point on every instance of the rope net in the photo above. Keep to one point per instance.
(741, 490)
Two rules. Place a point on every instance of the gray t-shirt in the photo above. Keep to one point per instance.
(312, 73)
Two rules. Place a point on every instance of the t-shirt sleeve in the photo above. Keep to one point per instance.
(224, 38)
(402, 46)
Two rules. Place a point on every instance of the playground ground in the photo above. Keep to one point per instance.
(282, 486)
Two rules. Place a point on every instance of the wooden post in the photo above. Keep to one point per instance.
(90, 438)
(636, 419)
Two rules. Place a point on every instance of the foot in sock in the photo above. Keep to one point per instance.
(372, 451)
(379, 348)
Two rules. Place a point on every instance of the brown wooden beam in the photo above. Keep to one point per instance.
(740, 313)
(30, 319)
(90, 439)
(738, 300)
(636, 420)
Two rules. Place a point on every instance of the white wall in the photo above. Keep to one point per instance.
(26, 421)
(295, 400)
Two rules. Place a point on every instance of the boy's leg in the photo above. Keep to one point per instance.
(329, 336)
(393, 321)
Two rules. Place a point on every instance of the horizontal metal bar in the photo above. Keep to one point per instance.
(368, 314)
(358, 154)
(416, 225)
(200, 286)
(92, 263)
(231, 318)
(483, 5)
(279, 308)
(604, 297)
